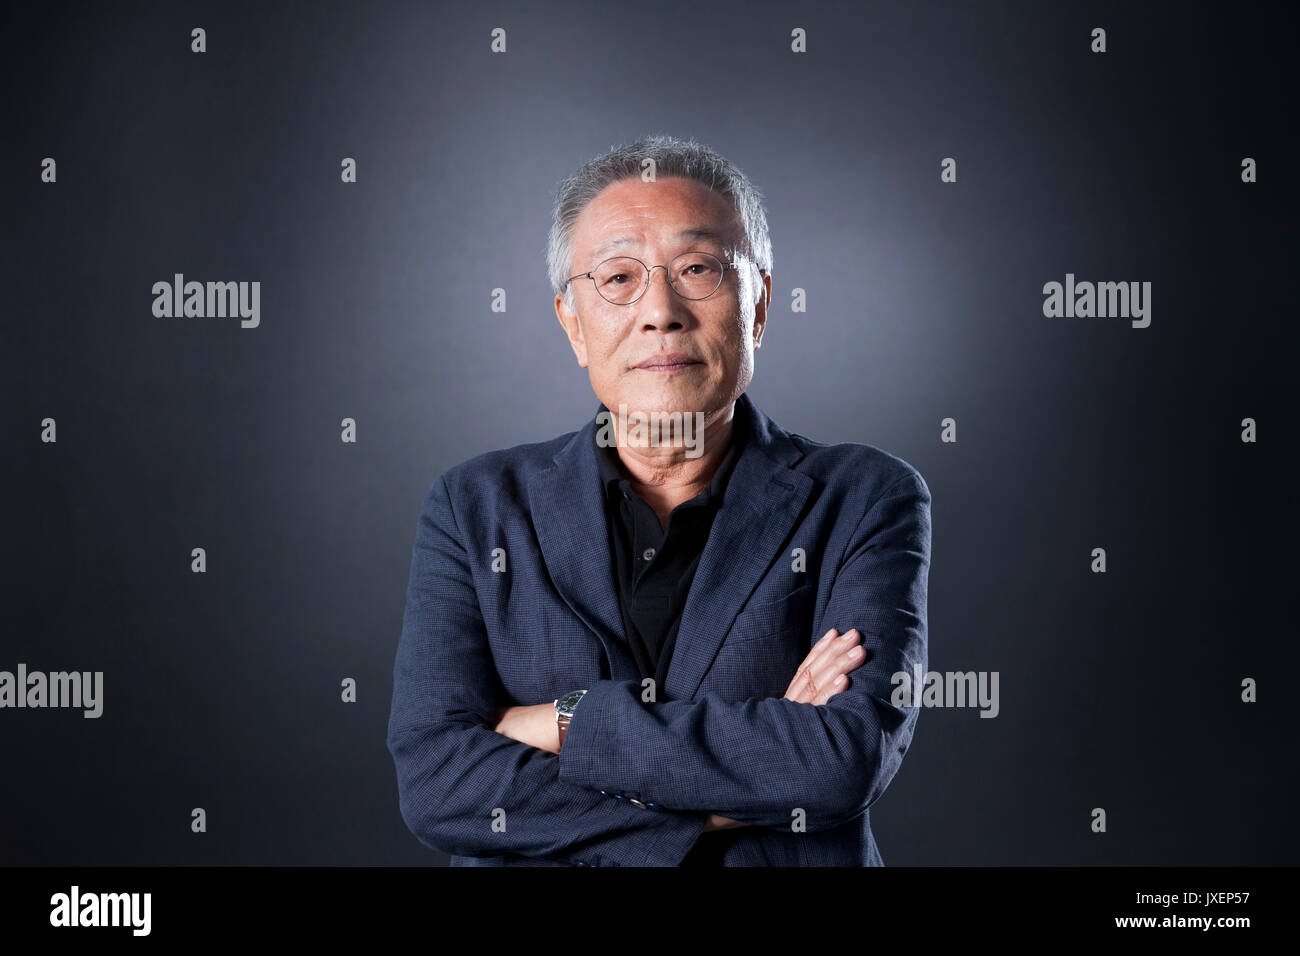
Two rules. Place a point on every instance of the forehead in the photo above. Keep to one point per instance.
(634, 213)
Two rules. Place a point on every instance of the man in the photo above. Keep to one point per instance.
(619, 650)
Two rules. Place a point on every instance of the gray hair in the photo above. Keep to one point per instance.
(672, 157)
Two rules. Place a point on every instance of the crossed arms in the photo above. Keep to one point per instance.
(469, 790)
(821, 675)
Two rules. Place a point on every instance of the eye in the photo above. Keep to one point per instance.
(698, 270)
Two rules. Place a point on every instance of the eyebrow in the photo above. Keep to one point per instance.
(695, 233)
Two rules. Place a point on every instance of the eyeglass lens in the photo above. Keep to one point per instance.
(695, 275)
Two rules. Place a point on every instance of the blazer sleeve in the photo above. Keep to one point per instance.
(760, 761)
(463, 788)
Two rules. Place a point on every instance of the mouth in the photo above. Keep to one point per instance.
(670, 362)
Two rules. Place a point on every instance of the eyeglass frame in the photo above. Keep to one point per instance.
(650, 272)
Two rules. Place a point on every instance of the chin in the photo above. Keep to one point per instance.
(684, 401)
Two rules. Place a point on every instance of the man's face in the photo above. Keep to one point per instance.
(717, 335)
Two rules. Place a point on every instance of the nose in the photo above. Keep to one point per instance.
(658, 307)
(650, 278)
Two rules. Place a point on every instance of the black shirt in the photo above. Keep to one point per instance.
(654, 566)
(653, 570)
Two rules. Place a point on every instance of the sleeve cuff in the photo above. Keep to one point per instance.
(588, 759)
(587, 751)
(668, 845)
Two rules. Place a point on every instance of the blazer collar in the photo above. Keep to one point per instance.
(764, 498)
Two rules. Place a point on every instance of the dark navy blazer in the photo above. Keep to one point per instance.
(511, 600)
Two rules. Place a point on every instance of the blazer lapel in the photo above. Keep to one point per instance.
(568, 510)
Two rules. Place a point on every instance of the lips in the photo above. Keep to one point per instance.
(667, 361)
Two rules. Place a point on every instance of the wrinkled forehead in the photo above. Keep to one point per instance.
(630, 215)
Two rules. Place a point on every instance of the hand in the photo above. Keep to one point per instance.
(533, 725)
(824, 672)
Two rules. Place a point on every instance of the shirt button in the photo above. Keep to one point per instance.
(636, 803)
(649, 554)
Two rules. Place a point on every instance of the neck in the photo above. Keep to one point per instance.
(665, 475)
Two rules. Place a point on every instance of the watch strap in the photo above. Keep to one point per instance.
(562, 722)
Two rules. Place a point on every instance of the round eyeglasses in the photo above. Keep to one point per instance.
(623, 279)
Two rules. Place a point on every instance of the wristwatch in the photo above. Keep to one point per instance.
(564, 711)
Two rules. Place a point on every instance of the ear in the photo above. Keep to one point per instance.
(760, 309)
(572, 328)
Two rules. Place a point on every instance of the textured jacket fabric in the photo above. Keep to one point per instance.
(511, 601)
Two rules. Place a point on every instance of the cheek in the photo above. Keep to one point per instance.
(739, 335)
(603, 350)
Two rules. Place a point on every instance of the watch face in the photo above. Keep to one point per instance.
(568, 702)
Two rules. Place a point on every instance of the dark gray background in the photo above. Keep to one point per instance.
(222, 690)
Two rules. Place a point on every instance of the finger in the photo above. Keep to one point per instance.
(831, 689)
(840, 663)
(831, 651)
(826, 638)
(824, 646)
(797, 683)
(815, 683)
(802, 687)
